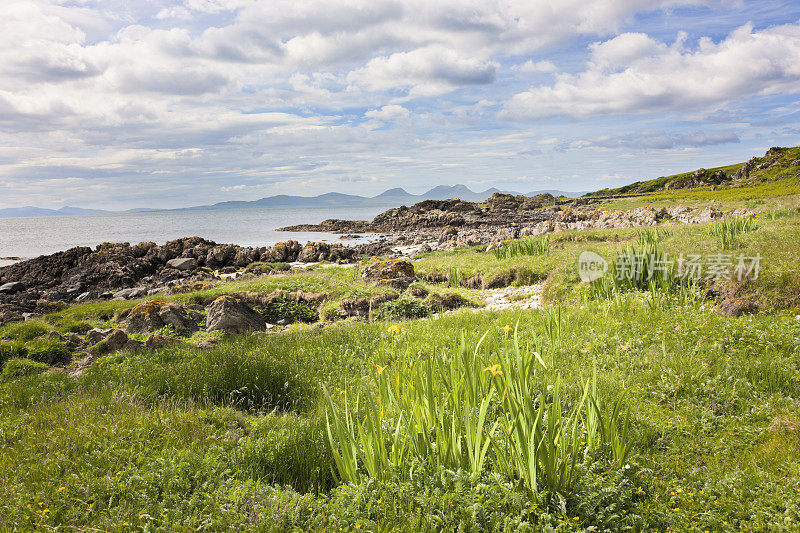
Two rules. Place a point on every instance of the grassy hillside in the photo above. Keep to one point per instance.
(776, 173)
(658, 410)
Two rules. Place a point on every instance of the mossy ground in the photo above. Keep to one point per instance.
(234, 438)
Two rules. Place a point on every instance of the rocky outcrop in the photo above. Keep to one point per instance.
(231, 315)
(124, 271)
(153, 315)
(395, 273)
(500, 209)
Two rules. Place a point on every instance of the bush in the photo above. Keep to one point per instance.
(403, 308)
(284, 308)
(19, 367)
(48, 351)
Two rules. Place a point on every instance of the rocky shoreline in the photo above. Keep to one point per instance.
(447, 224)
(124, 271)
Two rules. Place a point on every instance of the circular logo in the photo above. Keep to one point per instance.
(591, 266)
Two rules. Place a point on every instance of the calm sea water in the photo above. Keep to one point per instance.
(34, 236)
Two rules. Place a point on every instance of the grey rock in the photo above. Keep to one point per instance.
(176, 316)
(183, 263)
(123, 294)
(96, 335)
(233, 316)
(138, 292)
(86, 296)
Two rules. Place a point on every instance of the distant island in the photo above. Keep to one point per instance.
(391, 197)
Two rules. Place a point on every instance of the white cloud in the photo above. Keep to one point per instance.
(634, 73)
(425, 71)
(388, 112)
(538, 66)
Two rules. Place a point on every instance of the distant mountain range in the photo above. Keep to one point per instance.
(389, 198)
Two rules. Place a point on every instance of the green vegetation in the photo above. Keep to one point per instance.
(526, 246)
(628, 404)
(727, 230)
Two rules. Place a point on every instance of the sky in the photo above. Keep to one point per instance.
(115, 104)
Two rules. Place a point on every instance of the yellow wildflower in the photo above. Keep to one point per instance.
(507, 329)
(380, 368)
(494, 369)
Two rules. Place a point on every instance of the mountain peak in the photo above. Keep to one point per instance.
(397, 191)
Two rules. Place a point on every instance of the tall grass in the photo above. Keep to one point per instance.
(474, 410)
(526, 246)
(727, 230)
(644, 267)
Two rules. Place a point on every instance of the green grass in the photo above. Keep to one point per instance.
(526, 246)
(236, 437)
(694, 380)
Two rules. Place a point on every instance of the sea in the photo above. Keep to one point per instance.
(28, 237)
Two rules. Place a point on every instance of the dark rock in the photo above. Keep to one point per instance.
(116, 340)
(12, 287)
(176, 316)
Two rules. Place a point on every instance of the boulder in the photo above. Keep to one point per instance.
(145, 317)
(93, 336)
(183, 263)
(150, 316)
(156, 342)
(313, 252)
(244, 257)
(176, 316)
(12, 287)
(396, 273)
(116, 340)
(282, 252)
(231, 315)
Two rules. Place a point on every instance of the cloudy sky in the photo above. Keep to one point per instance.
(117, 104)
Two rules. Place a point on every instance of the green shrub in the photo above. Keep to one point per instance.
(285, 308)
(48, 351)
(402, 308)
(19, 367)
